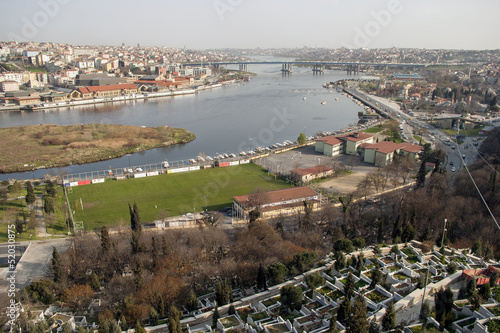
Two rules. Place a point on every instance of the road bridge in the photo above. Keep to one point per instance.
(317, 66)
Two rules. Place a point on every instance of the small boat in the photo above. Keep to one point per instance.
(337, 99)
(304, 98)
(243, 153)
(323, 103)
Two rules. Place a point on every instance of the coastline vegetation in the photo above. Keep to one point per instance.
(42, 146)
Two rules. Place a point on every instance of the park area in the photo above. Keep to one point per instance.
(158, 197)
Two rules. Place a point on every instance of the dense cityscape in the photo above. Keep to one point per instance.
(265, 190)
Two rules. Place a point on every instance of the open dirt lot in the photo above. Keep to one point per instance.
(306, 157)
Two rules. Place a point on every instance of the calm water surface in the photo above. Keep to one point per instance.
(270, 108)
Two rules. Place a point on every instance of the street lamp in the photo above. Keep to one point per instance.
(128, 155)
(444, 230)
(206, 205)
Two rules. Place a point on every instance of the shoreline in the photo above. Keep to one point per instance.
(98, 156)
(128, 97)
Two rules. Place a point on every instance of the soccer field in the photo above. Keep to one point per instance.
(178, 194)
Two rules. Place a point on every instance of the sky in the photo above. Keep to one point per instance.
(207, 24)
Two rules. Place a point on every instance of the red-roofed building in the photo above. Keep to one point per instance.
(107, 91)
(482, 276)
(382, 153)
(308, 174)
(347, 144)
(287, 202)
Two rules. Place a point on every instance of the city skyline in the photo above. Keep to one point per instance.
(243, 24)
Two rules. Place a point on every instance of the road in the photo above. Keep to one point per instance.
(34, 262)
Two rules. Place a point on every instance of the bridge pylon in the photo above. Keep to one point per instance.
(287, 68)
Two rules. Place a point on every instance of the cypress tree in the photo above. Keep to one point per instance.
(358, 321)
(192, 301)
(389, 318)
(174, 320)
(349, 286)
(105, 240)
(261, 278)
(344, 311)
(30, 195)
(215, 316)
(58, 267)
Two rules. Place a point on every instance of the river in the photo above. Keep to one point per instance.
(270, 108)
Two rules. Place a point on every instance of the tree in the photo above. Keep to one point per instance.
(215, 317)
(114, 327)
(349, 286)
(345, 245)
(344, 310)
(48, 205)
(494, 278)
(105, 240)
(153, 317)
(302, 139)
(477, 248)
(192, 301)
(261, 278)
(231, 310)
(376, 276)
(358, 321)
(443, 300)
(333, 328)
(160, 305)
(123, 323)
(291, 297)
(50, 189)
(58, 267)
(223, 292)
(135, 220)
(389, 318)
(174, 320)
(30, 195)
(359, 242)
(78, 296)
(340, 260)
(138, 327)
(315, 280)
(94, 282)
(277, 273)
(19, 225)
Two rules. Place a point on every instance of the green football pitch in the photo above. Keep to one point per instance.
(106, 204)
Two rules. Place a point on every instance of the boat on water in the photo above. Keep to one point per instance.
(165, 164)
(323, 103)
(304, 98)
(337, 99)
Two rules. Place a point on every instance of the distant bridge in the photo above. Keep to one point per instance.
(318, 66)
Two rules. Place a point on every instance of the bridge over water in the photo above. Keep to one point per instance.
(317, 66)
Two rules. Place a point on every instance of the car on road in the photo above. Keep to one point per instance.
(451, 163)
(453, 169)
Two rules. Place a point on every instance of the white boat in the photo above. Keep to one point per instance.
(304, 98)
(165, 164)
(243, 153)
(323, 103)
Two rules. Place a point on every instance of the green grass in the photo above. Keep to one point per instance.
(176, 194)
(470, 132)
(373, 130)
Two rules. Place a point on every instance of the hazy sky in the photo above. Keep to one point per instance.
(201, 24)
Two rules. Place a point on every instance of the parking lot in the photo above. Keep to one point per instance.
(306, 157)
